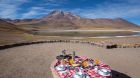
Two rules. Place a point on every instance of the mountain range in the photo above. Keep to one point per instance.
(66, 21)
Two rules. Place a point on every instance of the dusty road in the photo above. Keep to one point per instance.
(33, 61)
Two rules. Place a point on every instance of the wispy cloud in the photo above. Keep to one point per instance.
(11, 8)
(130, 1)
(55, 2)
(8, 8)
(35, 12)
(42, 9)
(61, 1)
(108, 10)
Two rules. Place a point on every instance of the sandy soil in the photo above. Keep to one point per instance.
(34, 61)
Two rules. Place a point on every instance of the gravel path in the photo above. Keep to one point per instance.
(33, 61)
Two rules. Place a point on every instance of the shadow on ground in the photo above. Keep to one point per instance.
(116, 74)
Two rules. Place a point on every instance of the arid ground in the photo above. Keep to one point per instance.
(33, 61)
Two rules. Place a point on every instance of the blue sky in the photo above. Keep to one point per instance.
(127, 9)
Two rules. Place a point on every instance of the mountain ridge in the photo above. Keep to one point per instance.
(66, 20)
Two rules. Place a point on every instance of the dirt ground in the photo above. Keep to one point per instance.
(33, 61)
